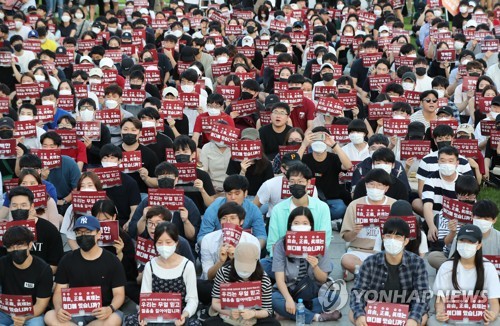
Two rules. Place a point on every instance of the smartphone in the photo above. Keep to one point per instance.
(319, 136)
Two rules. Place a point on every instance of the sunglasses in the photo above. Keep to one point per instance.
(428, 100)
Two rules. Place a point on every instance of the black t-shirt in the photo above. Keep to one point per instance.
(8, 166)
(128, 261)
(149, 161)
(359, 72)
(271, 140)
(397, 190)
(162, 142)
(326, 174)
(194, 194)
(255, 179)
(105, 271)
(182, 127)
(36, 280)
(392, 283)
(93, 153)
(66, 30)
(458, 20)
(124, 196)
(48, 245)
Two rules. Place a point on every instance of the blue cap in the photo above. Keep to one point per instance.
(88, 222)
(33, 33)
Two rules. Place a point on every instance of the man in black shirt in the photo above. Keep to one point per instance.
(149, 118)
(8, 166)
(358, 72)
(89, 266)
(273, 135)
(24, 274)
(48, 245)
(457, 24)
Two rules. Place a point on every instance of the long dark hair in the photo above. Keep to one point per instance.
(414, 244)
(478, 262)
(299, 211)
(257, 274)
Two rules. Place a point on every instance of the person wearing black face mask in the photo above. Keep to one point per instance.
(7, 132)
(131, 131)
(48, 245)
(24, 274)
(187, 218)
(89, 266)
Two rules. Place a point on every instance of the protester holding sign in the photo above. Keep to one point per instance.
(85, 267)
(170, 272)
(398, 274)
(22, 274)
(292, 273)
(469, 274)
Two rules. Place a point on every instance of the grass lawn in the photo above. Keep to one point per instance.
(494, 195)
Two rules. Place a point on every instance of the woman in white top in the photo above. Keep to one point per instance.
(467, 272)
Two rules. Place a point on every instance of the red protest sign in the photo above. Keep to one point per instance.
(469, 83)
(489, 45)
(246, 149)
(170, 156)
(173, 199)
(84, 200)
(66, 102)
(173, 109)
(411, 220)
(379, 110)
(413, 98)
(4, 105)
(455, 209)
(265, 117)
(450, 122)
(285, 188)
(494, 139)
(404, 61)
(29, 224)
(245, 107)
(86, 45)
(26, 129)
(229, 92)
(415, 148)
(40, 194)
(241, 295)
(248, 52)
(9, 184)
(261, 45)
(495, 260)
(68, 137)
(486, 127)
(231, 234)
(32, 44)
(148, 135)
(278, 66)
(19, 305)
(51, 158)
(444, 55)
(484, 104)
(110, 117)
(89, 129)
(369, 59)
(346, 176)
(81, 300)
(145, 250)
(467, 147)
(44, 113)
(331, 106)
(191, 100)
(109, 176)
(377, 82)
(221, 69)
(224, 134)
(349, 99)
(305, 242)
(298, 38)
(81, 91)
(27, 91)
(160, 307)
(64, 60)
(371, 214)
(396, 127)
(5, 58)
(367, 17)
(187, 172)
(277, 26)
(152, 75)
(324, 91)
(235, 30)
(109, 233)
(382, 314)
(291, 97)
(339, 133)
(8, 148)
(131, 161)
(466, 308)
(133, 96)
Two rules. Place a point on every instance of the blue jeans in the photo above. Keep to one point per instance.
(267, 266)
(337, 208)
(6, 320)
(279, 306)
(52, 5)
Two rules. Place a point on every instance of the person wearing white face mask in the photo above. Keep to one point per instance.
(246, 267)
(393, 273)
(467, 272)
(362, 238)
(49, 96)
(188, 80)
(19, 27)
(170, 272)
(289, 271)
(357, 148)
(28, 111)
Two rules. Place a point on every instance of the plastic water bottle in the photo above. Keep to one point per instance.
(356, 271)
(300, 314)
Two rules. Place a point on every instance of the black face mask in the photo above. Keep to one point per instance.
(182, 158)
(18, 47)
(6, 134)
(328, 76)
(474, 74)
(415, 138)
(293, 143)
(442, 144)
(20, 214)
(463, 137)
(498, 127)
(284, 80)
(135, 86)
(387, 13)
(343, 90)
(19, 256)
(250, 29)
(149, 59)
(129, 139)
(96, 62)
(294, 88)
(298, 191)
(114, 47)
(86, 242)
(420, 71)
(246, 96)
(166, 183)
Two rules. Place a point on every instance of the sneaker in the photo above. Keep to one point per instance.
(330, 316)
(348, 276)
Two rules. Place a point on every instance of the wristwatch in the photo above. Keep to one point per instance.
(112, 308)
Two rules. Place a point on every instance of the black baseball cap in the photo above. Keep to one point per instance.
(446, 110)
(496, 100)
(470, 232)
(271, 100)
(290, 159)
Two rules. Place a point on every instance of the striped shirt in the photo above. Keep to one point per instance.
(222, 276)
(435, 188)
(429, 164)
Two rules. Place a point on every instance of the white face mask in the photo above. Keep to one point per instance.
(87, 115)
(166, 251)
(2, 15)
(386, 167)
(393, 246)
(109, 164)
(340, 6)
(187, 88)
(222, 59)
(177, 33)
(377, 13)
(66, 18)
(458, 45)
(319, 60)
(318, 147)
(111, 104)
(440, 93)
(463, 9)
(484, 225)
(398, 117)
(438, 13)
(348, 34)
(447, 169)
(185, 28)
(96, 30)
(112, 29)
(87, 189)
(356, 138)
(375, 194)
(18, 24)
(407, 86)
(353, 24)
(412, 55)
(466, 61)
(39, 78)
(244, 275)
(47, 102)
(466, 250)
(301, 228)
(209, 47)
(25, 118)
(65, 92)
(148, 124)
(78, 15)
(213, 112)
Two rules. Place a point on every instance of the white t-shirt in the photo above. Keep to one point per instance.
(354, 154)
(24, 60)
(423, 84)
(467, 279)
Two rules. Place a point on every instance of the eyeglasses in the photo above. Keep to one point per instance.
(428, 100)
(152, 225)
(86, 107)
(280, 112)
